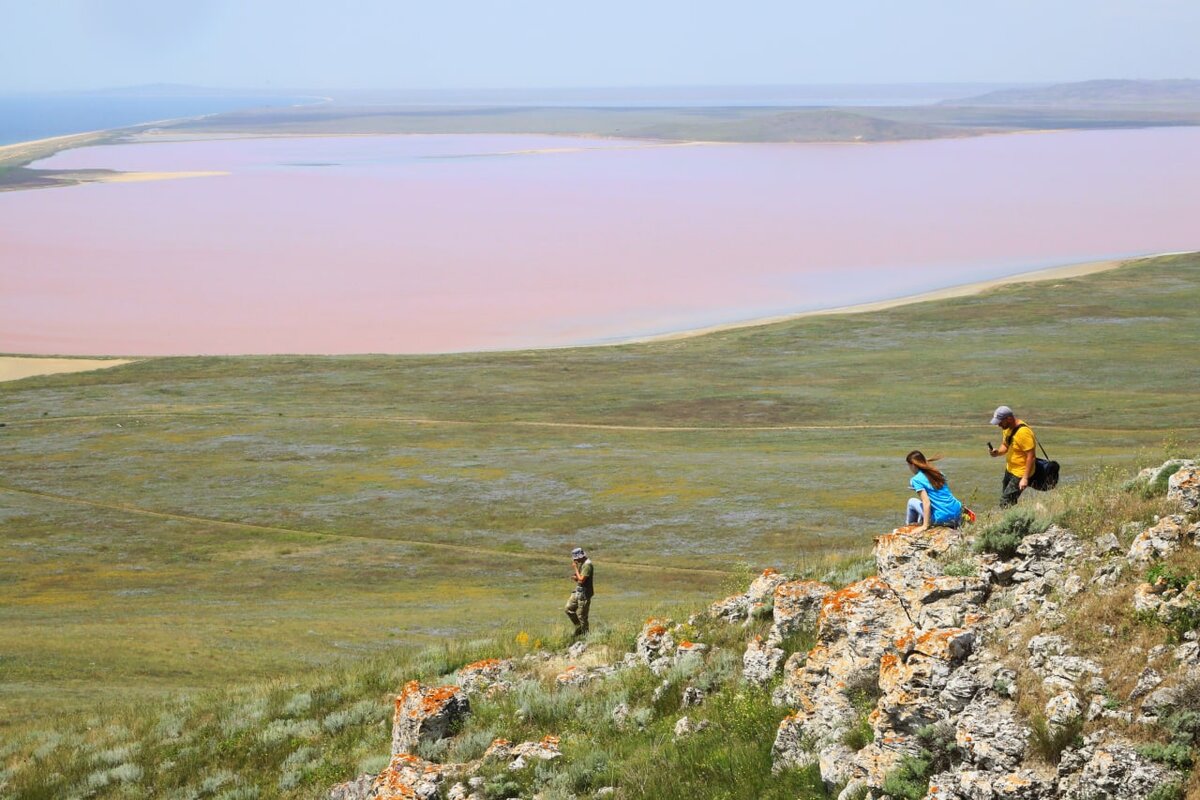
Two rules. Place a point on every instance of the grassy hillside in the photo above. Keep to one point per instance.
(200, 520)
(1095, 94)
(296, 735)
(707, 124)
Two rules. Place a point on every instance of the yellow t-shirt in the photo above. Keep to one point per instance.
(1022, 441)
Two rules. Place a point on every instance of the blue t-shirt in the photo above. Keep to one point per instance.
(943, 506)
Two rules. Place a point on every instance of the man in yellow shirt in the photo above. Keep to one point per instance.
(1017, 445)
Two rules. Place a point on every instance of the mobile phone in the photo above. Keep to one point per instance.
(990, 448)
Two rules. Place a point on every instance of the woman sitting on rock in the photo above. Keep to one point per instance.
(934, 501)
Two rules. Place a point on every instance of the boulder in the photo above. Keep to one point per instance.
(426, 714)
(481, 676)
(686, 727)
(1159, 540)
(905, 558)
(970, 784)
(854, 628)
(357, 789)
(760, 661)
(408, 777)
(1184, 488)
(989, 734)
(796, 605)
(1111, 770)
(655, 646)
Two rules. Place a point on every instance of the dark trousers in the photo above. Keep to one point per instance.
(1010, 492)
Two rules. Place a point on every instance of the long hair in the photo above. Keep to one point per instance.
(918, 460)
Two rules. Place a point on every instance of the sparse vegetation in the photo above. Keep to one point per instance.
(1048, 741)
(1003, 536)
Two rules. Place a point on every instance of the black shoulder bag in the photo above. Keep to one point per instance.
(1045, 472)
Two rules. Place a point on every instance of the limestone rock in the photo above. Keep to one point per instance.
(731, 609)
(1146, 683)
(686, 727)
(1063, 709)
(1159, 540)
(760, 661)
(620, 714)
(357, 789)
(1110, 770)
(855, 627)
(655, 646)
(691, 697)
(762, 588)
(408, 777)
(1184, 488)
(969, 784)
(426, 714)
(796, 606)
(686, 649)
(1107, 544)
(791, 748)
(989, 734)
(574, 675)
(481, 676)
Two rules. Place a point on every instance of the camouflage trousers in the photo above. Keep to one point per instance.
(577, 611)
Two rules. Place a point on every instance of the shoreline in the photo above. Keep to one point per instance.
(15, 368)
(1061, 272)
(1075, 270)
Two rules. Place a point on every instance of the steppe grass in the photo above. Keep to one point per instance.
(197, 521)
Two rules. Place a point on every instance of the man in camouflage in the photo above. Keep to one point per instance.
(581, 599)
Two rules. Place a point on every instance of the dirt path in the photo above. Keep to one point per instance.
(630, 566)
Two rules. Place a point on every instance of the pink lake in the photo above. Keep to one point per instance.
(405, 244)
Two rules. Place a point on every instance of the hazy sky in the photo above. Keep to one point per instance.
(68, 44)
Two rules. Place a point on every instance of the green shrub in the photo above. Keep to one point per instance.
(1048, 742)
(910, 780)
(1003, 536)
(1157, 485)
(1173, 754)
(963, 568)
(1174, 577)
(1167, 791)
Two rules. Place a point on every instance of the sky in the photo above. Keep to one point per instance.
(454, 44)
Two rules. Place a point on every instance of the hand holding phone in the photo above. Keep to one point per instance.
(991, 450)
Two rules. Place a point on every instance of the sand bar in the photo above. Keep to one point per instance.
(964, 290)
(14, 368)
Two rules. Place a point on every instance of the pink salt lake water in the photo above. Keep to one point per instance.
(442, 243)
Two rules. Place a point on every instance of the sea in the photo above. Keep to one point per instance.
(24, 117)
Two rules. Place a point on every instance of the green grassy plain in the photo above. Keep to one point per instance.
(184, 523)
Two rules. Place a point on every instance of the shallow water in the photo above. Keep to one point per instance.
(440, 243)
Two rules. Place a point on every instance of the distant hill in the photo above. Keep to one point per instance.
(803, 125)
(1093, 94)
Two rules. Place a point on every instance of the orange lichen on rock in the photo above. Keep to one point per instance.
(486, 663)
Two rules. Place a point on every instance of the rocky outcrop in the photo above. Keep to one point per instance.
(910, 666)
(755, 599)
(655, 647)
(487, 675)
(854, 628)
(1161, 539)
(1184, 488)
(425, 714)
(760, 661)
(795, 607)
(1110, 770)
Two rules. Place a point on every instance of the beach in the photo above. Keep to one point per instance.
(14, 368)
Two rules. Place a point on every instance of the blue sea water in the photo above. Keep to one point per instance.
(31, 116)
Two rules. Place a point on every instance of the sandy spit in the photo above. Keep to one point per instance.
(14, 368)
